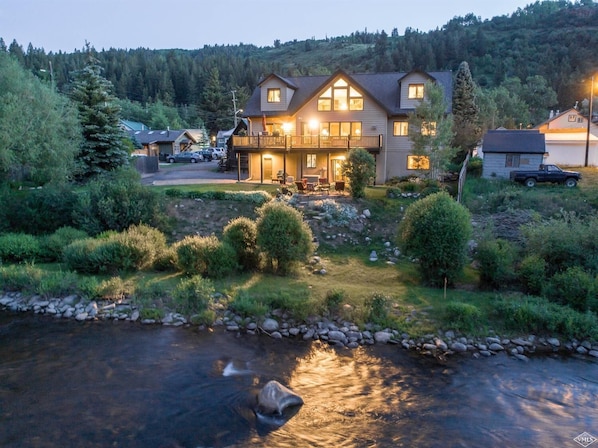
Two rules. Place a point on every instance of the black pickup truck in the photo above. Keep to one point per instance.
(546, 173)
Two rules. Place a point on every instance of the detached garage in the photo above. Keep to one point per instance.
(510, 150)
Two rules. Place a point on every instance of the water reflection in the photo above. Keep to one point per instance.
(120, 384)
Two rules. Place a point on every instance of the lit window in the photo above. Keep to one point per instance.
(311, 160)
(341, 129)
(274, 95)
(416, 91)
(418, 163)
(429, 128)
(401, 128)
(340, 96)
(512, 161)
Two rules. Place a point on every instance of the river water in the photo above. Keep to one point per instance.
(119, 384)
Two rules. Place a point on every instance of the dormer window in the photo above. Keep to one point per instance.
(341, 96)
(416, 91)
(274, 95)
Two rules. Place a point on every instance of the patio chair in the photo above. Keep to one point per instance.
(301, 187)
(339, 186)
(324, 185)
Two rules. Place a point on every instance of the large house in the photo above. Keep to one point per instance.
(568, 141)
(304, 126)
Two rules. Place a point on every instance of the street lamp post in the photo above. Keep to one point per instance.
(236, 118)
(589, 121)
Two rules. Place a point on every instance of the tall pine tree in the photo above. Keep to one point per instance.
(466, 120)
(103, 148)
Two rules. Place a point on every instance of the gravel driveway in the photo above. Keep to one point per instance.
(188, 173)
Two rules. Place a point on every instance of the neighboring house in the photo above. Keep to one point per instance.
(566, 136)
(163, 142)
(128, 125)
(510, 150)
(304, 126)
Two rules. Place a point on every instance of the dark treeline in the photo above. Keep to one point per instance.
(557, 40)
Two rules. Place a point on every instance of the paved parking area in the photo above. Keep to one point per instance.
(189, 173)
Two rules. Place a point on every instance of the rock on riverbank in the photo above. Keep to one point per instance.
(279, 325)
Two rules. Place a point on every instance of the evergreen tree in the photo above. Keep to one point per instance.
(465, 113)
(103, 148)
(213, 103)
(431, 131)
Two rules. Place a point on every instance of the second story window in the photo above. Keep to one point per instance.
(400, 128)
(416, 91)
(341, 96)
(429, 128)
(274, 95)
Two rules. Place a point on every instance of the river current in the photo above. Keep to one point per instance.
(122, 384)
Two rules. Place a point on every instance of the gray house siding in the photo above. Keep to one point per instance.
(495, 164)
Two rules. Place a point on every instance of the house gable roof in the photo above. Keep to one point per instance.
(159, 136)
(514, 141)
(383, 88)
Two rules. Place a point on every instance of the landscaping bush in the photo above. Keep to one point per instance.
(533, 315)
(334, 298)
(241, 234)
(475, 167)
(37, 211)
(19, 247)
(54, 244)
(463, 317)
(496, 259)
(246, 305)
(117, 200)
(565, 242)
(136, 248)
(376, 308)
(193, 295)
(360, 170)
(435, 231)
(573, 287)
(532, 274)
(205, 256)
(114, 289)
(282, 236)
(24, 278)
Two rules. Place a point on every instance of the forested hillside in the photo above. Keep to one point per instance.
(543, 54)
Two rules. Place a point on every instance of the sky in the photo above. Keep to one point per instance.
(66, 25)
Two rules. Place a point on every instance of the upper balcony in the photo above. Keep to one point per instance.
(307, 142)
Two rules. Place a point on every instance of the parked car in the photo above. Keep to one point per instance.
(219, 153)
(207, 155)
(185, 156)
(546, 173)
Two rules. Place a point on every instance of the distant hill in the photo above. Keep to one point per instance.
(557, 40)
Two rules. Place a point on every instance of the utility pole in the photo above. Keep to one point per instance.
(589, 121)
(234, 106)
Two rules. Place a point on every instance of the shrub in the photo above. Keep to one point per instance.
(573, 287)
(334, 298)
(376, 308)
(532, 274)
(462, 316)
(435, 231)
(78, 255)
(38, 211)
(193, 295)
(114, 289)
(54, 244)
(496, 260)
(205, 256)
(150, 292)
(360, 169)
(282, 236)
(475, 167)
(58, 284)
(18, 247)
(565, 242)
(241, 234)
(117, 200)
(534, 315)
(248, 306)
(23, 278)
(136, 248)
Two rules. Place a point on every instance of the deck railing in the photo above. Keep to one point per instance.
(306, 142)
